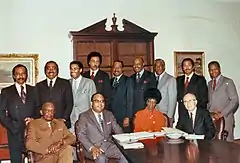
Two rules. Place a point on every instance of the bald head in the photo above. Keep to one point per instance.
(190, 101)
(138, 64)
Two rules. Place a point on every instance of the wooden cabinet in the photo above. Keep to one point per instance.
(126, 45)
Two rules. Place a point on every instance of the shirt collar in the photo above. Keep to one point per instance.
(193, 112)
(78, 79)
(217, 78)
(189, 76)
(141, 72)
(18, 86)
(96, 114)
(118, 77)
(95, 71)
(53, 81)
(160, 76)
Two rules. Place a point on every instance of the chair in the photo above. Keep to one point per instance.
(167, 122)
(4, 150)
(219, 124)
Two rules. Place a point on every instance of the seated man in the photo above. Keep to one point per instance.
(196, 120)
(49, 138)
(94, 128)
(150, 119)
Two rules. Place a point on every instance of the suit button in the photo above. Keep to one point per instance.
(104, 140)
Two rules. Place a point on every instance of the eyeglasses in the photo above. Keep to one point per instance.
(185, 101)
(99, 101)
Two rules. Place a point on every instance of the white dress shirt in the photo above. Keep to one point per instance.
(53, 81)
(95, 72)
(18, 87)
(193, 115)
(189, 77)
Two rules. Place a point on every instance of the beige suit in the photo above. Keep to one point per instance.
(224, 99)
(40, 136)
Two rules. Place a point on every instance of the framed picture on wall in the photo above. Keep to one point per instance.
(8, 61)
(197, 57)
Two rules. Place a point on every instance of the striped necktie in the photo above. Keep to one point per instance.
(23, 95)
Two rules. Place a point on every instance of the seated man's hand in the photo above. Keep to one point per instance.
(126, 122)
(96, 151)
(27, 120)
(55, 147)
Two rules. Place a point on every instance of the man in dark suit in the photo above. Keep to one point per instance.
(94, 129)
(19, 104)
(56, 90)
(121, 101)
(100, 78)
(191, 83)
(142, 80)
(196, 120)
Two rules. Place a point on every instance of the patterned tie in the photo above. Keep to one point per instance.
(191, 118)
(23, 95)
(100, 120)
(51, 84)
(214, 84)
(92, 76)
(115, 81)
(138, 77)
(74, 86)
(157, 79)
(186, 83)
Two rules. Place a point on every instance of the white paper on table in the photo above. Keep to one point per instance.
(136, 145)
(133, 137)
(194, 137)
(174, 130)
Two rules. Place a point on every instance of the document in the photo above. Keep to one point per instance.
(194, 137)
(174, 130)
(132, 145)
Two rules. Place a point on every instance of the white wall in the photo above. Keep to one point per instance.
(207, 25)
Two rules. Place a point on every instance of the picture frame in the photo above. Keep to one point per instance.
(8, 61)
(197, 57)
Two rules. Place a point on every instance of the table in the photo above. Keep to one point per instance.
(198, 151)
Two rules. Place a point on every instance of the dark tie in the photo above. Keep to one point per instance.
(157, 79)
(92, 76)
(214, 84)
(51, 84)
(186, 83)
(138, 77)
(191, 118)
(100, 121)
(23, 95)
(115, 81)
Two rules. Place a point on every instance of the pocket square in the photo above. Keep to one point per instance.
(109, 123)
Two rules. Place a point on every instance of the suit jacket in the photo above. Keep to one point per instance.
(89, 132)
(13, 111)
(60, 95)
(147, 81)
(168, 88)
(224, 99)
(196, 86)
(40, 136)
(82, 99)
(121, 101)
(102, 82)
(203, 124)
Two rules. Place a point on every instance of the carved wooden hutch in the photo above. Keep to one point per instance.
(126, 45)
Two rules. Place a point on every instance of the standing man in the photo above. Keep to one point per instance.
(100, 78)
(121, 101)
(191, 83)
(19, 104)
(142, 80)
(83, 89)
(94, 129)
(167, 85)
(223, 97)
(56, 90)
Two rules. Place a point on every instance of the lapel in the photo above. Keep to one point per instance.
(197, 117)
(81, 85)
(142, 78)
(162, 80)
(181, 86)
(120, 80)
(87, 74)
(105, 120)
(17, 94)
(45, 83)
(93, 118)
(219, 83)
(27, 93)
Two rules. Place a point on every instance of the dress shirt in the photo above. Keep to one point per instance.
(140, 73)
(95, 72)
(217, 79)
(160, 76)
(53, 81)
(78, 80)
(118, 77)
(96, 116)
(189, 77)
(18, 87)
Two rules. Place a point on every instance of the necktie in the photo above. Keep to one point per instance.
(92, 76)
(186, 83)
(157, 79)
(23, 95)
(214, 84)
(191, 118)
(51, 84)
(138, 77)
(115, 82)
(74, 86)
(100, 120)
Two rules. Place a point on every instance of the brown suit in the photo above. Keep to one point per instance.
(40, 136)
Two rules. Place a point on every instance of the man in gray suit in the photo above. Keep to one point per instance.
(167, 85)
(223, 97)
(94, 128)
(83, 89)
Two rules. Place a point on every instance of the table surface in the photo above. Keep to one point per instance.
(197, 151)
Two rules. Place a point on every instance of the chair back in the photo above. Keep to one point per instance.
(167, 122)
(219, 124)
(4, 150)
